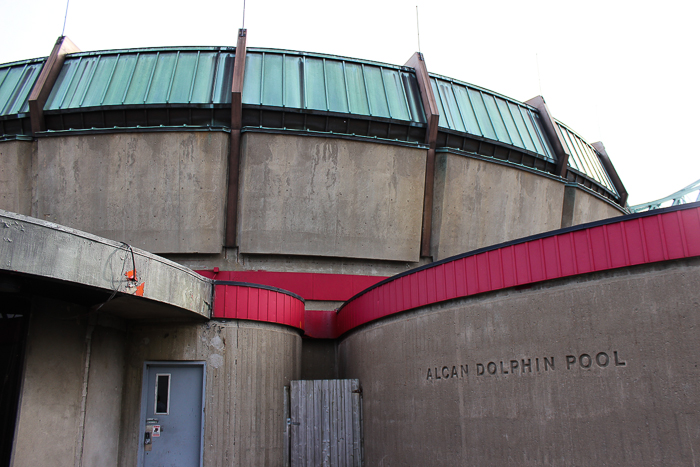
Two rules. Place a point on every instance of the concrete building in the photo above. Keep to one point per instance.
(187, 232)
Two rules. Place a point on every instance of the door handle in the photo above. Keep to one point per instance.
(147, 438)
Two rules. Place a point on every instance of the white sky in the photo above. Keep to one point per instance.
(622, 72)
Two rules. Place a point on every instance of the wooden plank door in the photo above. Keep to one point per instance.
(325, 423)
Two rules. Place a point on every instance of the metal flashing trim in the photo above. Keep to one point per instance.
(506, 163)
(95, 53)
(137, 129)
(609, 200)
(494, 142)
(16, 138)
(308, 285)
(18, 116)
(323, 134)
(635, 239)
(259, 286)
(328, 56)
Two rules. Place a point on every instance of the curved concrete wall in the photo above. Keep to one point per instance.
(591, 208)
(163, 192)
(52, 409)
(473, 197)
(300, 196)
(16, 160)
(596, 369)
(330, 197)
(248, 365)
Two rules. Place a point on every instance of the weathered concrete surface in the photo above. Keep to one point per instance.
(104, 398)
(479, 203)
(16, 175)
(590, 208)
(51, 391)
(50, 415)
(164, 192)
(40, 248)
(248, 365)
(230, 260)
(330, 197)
(638, 405)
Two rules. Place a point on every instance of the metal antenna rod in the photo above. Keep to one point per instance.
(243, 26)
(65, 18)
(539, 80)
(418, 28)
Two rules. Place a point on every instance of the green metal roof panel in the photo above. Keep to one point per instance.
(583, 157)
(469, 109)
(317, 82)
(149, 76)
(16, 82)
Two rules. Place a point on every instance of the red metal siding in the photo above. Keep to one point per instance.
(257, 304)
(310, 286)
(630, 241)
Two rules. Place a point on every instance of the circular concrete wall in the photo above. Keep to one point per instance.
(600, 369)
(248, 365)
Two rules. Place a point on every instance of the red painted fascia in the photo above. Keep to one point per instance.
(310, 286)
(667, 234)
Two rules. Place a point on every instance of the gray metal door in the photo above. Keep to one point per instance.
(326, 423)
(172, 414)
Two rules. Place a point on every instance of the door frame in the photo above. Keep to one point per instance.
(144, 402)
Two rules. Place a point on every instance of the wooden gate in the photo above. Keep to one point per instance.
(325, 423)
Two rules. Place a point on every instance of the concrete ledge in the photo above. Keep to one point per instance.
(48, 250)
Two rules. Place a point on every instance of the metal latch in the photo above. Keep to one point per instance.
(290, 422)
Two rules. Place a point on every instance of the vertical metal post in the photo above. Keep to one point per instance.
(614, 177)
(552, 133)
(235, 140)
(432, 119)
(45, 81)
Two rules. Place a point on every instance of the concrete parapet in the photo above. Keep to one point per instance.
(47, 250)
